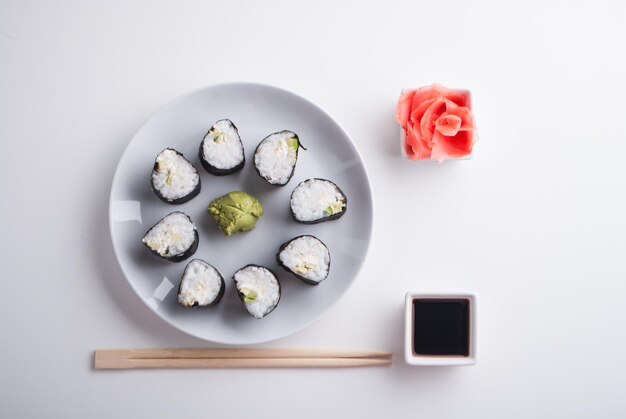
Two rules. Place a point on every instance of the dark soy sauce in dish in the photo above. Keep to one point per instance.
(441, 326)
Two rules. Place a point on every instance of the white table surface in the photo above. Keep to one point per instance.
(534, 224)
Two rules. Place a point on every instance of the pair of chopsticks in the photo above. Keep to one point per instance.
(106, 359)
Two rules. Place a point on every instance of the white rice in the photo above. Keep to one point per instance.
(222, 147)
(308, 257)
(171, 236)
(261, 282)
(201, 284)
(275, 159)
(314, 199)
(174, 177)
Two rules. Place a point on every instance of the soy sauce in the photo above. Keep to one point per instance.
(441, 326)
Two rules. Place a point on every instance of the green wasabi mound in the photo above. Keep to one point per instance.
(236, 212)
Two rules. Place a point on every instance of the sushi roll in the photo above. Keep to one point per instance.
(174, 238)
(276, 156)
(258, 289)
(307, 257)
(174, 179)
(221, 151)
(317, 200)
(201, 285)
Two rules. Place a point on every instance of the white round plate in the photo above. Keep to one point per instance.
(257, 111)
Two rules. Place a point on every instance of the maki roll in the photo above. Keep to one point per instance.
(307, 257)
(221, 151)
(317, 200)
(174, 238)
(258, 289)
(276, 156)
(201, 285)
(174, 179)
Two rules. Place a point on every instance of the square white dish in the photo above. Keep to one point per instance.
(412, 358)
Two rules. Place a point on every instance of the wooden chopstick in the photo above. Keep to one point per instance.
(238, 358)
(125, 363)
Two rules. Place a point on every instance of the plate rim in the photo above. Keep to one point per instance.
(181, 98)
